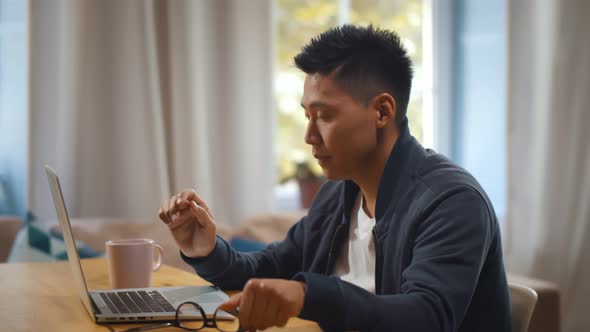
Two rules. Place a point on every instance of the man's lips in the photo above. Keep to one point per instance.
(321, 156)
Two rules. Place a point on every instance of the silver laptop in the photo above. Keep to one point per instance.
(127, 305)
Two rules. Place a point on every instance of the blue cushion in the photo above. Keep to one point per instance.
(40, 242)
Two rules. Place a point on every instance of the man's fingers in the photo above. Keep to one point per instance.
(182, 200)
(257, 319)
(247, 306)
(191, 195)
(173, 201)
(203, 218)
(165, 212)
(232, 303)
(182, 203)
(172, 207)
(176, 206)
(282, 317)
(270, 312)
(162, 215)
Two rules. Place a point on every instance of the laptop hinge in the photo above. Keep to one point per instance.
(95, 307)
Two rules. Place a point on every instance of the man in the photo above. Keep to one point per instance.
(401, 239)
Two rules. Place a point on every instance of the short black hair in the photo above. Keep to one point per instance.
(365, 61)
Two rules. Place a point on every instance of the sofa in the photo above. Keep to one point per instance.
(263, 228)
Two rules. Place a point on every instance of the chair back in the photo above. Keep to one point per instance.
(522, 302)
(9, 227)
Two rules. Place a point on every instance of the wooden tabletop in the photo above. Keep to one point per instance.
(44, 297)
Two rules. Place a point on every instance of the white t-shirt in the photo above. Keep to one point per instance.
(356, 263)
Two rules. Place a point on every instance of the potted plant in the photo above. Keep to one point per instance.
(308, 181)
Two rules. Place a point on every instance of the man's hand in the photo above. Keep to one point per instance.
(190, 222)
(267, 302)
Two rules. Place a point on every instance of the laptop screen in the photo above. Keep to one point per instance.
(64, 222)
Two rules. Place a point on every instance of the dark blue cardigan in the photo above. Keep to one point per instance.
(438, 252)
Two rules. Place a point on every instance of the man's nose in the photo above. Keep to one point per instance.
(312, 135)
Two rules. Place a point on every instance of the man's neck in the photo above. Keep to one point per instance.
(369, 189)
(370, 178)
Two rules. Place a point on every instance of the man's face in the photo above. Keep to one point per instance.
(341, 131)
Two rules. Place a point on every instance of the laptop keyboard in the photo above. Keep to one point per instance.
(136, 302)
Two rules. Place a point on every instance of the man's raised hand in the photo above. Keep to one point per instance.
(191, 223)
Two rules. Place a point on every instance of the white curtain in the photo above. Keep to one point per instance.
(549, 149)
(132, 101)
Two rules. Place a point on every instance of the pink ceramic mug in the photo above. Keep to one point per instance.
(131, 262)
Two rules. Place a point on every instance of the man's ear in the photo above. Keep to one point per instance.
(384, 105)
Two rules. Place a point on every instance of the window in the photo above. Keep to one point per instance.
(13, 110)
(296, 23)
(479, 95)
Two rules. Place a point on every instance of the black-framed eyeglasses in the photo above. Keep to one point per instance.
(190, 316)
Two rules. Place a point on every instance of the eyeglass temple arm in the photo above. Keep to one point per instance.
(148, 327)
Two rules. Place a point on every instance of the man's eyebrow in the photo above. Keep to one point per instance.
(317, 104)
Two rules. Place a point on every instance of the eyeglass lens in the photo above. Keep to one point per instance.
(227, 321)
(189, 317)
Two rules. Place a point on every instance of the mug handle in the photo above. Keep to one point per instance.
(160, 254)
